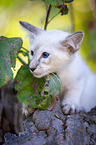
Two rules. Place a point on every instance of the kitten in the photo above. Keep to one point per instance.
(56, 51)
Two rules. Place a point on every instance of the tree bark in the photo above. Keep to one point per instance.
(45, 127)
(10, 111)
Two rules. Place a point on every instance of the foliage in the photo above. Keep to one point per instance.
(44, 98)
(28, 87)
(9, 48)
(60, 4)
(36, 92)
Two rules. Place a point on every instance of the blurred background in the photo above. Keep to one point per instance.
(81, 16)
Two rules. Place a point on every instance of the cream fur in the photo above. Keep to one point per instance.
(79, 83)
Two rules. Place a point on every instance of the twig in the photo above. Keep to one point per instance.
(21, 60)
(53, 17)
(47, 16)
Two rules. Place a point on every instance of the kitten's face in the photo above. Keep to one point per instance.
(51, 51)
(45, 56)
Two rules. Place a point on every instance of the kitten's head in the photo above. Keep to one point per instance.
(51, 51)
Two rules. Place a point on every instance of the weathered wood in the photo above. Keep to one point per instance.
(10, 111)
(43, 127)
(54, 128)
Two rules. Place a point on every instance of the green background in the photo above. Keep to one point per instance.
(82, 13)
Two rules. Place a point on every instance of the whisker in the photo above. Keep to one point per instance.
(57, 79)
(53, 80)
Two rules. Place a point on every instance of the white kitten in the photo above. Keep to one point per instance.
(57, 51)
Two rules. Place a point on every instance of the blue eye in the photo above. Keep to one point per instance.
(45, 54)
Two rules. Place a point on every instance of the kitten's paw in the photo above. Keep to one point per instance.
(27, 110)
(70, 109)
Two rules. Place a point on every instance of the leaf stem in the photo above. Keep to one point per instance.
(25, 49)
(53, 18)
(47, 16)
(21, 60)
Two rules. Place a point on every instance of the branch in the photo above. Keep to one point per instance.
(47, 16)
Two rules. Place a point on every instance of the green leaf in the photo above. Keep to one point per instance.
(55, 2)
(46, 103)
(35, 91)
(9, 48)
(55, 85)
(50, 91)
(64, 11)
(29, 88)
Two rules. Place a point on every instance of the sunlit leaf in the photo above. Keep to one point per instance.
(29, 88)
(46, 103)
(9, 48)
(55, 85)
(55, 2)
(51, 90)
(35, 91)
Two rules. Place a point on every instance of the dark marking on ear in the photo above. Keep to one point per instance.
(78, 32)
(30, 27)
(70, 48)
(72, 42)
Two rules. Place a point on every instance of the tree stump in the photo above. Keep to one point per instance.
(54, 128)
(10, 111)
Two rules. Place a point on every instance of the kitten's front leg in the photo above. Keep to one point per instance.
(69, 106)
(71, 100)
(27, 110)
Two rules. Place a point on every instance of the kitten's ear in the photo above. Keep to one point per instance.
(73, 41)
(32, 30)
